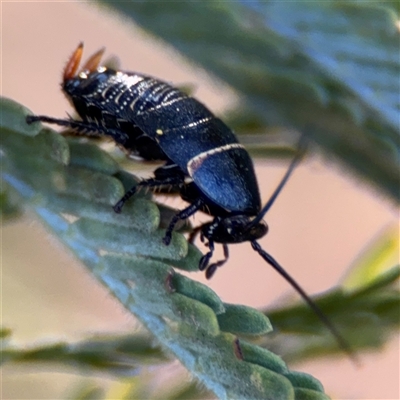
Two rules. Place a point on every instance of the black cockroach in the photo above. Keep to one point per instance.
(203, 158)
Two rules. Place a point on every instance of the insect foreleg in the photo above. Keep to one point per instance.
(213, 267)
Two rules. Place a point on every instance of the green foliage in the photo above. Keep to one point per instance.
(372, 309)
(374, 262)
(329, 69)
(122, 355)
(71, 191)
(8, 205)
(365, 308)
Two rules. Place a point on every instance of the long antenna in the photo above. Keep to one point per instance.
(292, 166)
(343, 344)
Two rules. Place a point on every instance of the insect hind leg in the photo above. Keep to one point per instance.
(90, 129)
(80, 128)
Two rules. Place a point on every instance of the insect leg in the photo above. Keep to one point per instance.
(167, 175)
(80, 128)
(210, 271)
(195, 232)
(183, 214)
(207, 257)
(150, 183)
(68, 123)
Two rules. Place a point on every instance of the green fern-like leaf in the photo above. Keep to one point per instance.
(367, 316)
(71, 189)
(121, 356)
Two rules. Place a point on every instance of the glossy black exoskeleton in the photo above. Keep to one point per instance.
(202, 157)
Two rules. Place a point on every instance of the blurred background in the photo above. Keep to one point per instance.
(322, 220)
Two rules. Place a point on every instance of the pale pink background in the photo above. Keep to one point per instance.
(319, 225)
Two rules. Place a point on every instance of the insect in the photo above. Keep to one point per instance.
(202, 157)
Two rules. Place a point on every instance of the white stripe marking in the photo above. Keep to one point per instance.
(196, 161)
(119, 96)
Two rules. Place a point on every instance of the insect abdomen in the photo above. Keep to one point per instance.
(200, 143)
(183, 129)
